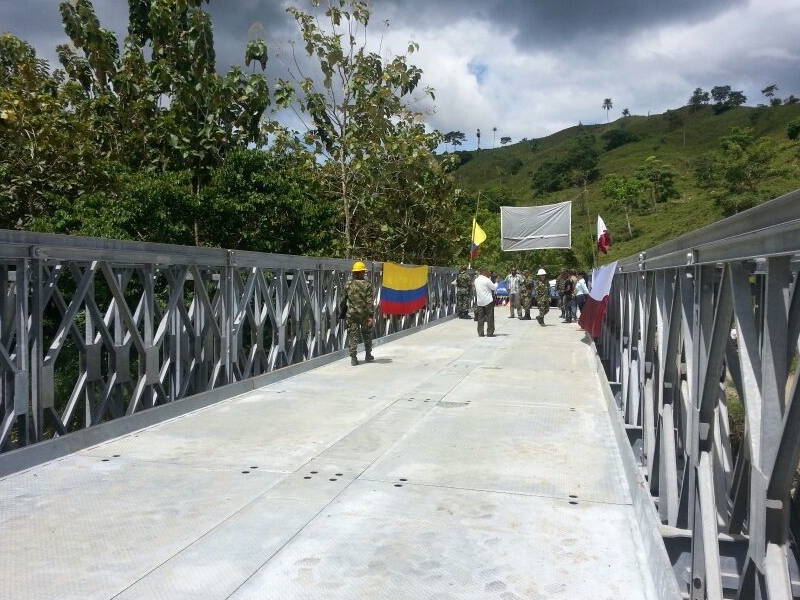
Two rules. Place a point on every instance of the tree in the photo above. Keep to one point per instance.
(494, 133)
(576, 166)
(769, 91)
(478, 134)
(793, 130)
(269, 200)
(455, 138)
(734, 175)
(659, 180)
(161, 104)
(45, 151)
(360, 119)
(626, 112)
(614, 138)
(725, 98)
(505, 140)
(607, 106)
(699, 98)
(720, 93)
(625, 194)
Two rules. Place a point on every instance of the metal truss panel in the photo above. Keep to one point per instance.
(726, 464)
(418, 541)
(111, 328)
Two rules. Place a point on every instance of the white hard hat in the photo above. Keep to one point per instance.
(541, 272)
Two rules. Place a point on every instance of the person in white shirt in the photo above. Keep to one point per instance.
(513, 284)
(581, 290)
(484, 303)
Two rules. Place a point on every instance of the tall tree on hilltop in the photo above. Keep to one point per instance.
(769, 91)
(607, 106)
(454, 138)
(699, 98)
(360, 118)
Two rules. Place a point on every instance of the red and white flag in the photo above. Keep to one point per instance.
(603, 238)
(594, 311)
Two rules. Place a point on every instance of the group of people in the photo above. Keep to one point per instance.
(572, 294)
(358, 301)
(522, 288)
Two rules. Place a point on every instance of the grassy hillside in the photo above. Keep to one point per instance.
(677, 138)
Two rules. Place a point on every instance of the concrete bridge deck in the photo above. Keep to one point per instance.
(454, 467)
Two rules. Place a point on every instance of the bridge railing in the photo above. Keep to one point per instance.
(701, 340)
(92, 330)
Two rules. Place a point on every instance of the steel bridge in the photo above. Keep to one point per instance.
(184, 423)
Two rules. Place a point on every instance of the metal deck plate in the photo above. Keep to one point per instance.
(454, 467)
(414, 542)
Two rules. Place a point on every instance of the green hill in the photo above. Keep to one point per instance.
(679, 139)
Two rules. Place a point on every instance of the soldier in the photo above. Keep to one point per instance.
(525, 292)
(463, 291)
(360, 306)
(560, 280)
(542, 288)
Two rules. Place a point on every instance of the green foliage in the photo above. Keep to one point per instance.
(576, 166)
(734, 174)
(614, 138)
(725, 99)
(44, 150)
(141, 206)
(659, 180)
(682, 151)
(171, 112)
(376, 154)
(699, 98)
(793, 130)
(454, 138)
(625, 193)
(269, 201)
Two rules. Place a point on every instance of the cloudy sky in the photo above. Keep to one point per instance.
(527, 67)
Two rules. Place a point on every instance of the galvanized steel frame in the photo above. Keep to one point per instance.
(729, 519)
(149, 324)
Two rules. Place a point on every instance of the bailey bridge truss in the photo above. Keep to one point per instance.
(701, 336)
(93, 330)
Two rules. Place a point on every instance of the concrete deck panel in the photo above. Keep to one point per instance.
(454, 467)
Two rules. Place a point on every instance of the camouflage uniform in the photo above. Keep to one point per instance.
(560, 281)
(360, 306)
(542, 299)
(525, 290)
(463, 292)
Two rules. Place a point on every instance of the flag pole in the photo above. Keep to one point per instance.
(474, 224)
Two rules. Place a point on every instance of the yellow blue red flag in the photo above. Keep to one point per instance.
(478, 237)
(404, 289)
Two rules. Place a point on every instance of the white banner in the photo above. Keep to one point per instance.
(536, 227)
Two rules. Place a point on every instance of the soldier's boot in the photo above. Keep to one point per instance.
(353, 360)
(369, 357)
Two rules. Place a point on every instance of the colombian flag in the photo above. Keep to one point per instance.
(404, 289)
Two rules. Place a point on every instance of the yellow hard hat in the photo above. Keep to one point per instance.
(358, 266)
